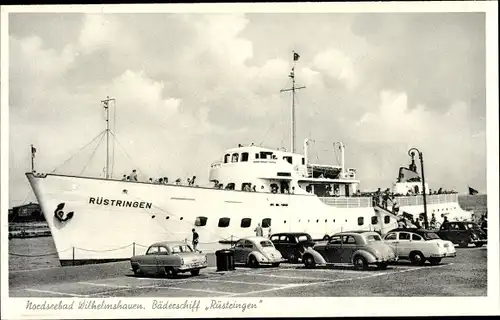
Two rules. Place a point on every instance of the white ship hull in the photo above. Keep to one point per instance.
(113, 220)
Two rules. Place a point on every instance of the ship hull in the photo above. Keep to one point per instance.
(96, 220)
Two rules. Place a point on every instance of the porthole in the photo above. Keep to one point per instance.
(167, 217)
(333, 220)
(153, 216)
(245, 222)
(200, 221)
(325, 220)
(182, 218)
(317, 220)
(284, 221)
(223, 222)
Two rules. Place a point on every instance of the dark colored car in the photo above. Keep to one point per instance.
(292, 245)
(463, 233)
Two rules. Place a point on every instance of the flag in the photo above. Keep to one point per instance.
(33, 151)
(473, 191)
(295, 56)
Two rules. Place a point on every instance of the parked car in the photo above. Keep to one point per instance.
(418, 245)
(359, 248)
(256, 251)
(169, 258)
(463, 233)
(292, 245)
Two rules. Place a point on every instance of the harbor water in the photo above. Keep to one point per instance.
(35, 253)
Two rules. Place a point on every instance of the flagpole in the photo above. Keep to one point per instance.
(32, 160)
(292, 113)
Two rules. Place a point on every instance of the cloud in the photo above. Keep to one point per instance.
(188, 86)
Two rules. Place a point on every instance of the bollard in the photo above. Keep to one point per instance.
(133, 249)
(73, 255)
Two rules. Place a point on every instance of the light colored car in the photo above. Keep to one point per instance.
(169, 258)
(359, 248)
(255, 251)
(418, 245)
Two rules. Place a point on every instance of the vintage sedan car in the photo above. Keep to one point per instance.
(359, 248)
(169, 258)
(292, 245)
(419, 245)
(463, 233)
(256, 251)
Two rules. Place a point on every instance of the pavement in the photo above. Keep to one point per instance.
(465, 275)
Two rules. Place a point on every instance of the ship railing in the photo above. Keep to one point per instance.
(347, 202)
(430, 199)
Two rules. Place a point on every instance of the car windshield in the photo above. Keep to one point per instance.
(472, 226)
(181, 248)
(266, 243)
(431, 236)
(304, 237)
(373, 237)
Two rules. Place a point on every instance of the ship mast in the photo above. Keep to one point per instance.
(292, 113)
(106, 107)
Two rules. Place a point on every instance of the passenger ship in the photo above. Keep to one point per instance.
(95, 220)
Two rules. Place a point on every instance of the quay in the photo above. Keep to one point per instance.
(465, 275)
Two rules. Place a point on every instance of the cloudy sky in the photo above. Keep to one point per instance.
(190, 85)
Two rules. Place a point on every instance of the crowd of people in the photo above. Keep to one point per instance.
(162, 180)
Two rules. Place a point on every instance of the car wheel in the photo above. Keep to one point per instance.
(195, 272)
(252, 262)
(434, 261)
(309, 261)
(360, 263)
(417, 258)
(479, 244)
(170, 272)
(382, 265)
(463, 244)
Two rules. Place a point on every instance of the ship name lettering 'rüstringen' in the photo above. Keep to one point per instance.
(120, 203)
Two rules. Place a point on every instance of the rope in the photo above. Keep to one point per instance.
(123, 149)
(36, 255)
(105, 250)
(74, 154)
(92, 155)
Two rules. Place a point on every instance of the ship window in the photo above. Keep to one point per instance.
(229, 186)
(387, 219)
(374, 220)
(288, 159)
(303, 161)
(223, 222)
(244, 157)
(246, 186)
(235, 157)
(200, 221)
(256, 156)
(361, 220)
(245, 222)
(226, 158)
(266, 222)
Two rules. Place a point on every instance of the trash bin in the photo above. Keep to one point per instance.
(224, 260)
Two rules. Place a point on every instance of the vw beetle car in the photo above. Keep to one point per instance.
(419, 245)
(169, 258)
(292, 245)
(256, 251)
(359, 248)
(463, 233)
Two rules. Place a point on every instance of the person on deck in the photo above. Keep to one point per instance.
(258, 231)
(433, 221)
(133, 175)
(196, 238)
(124, 178)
